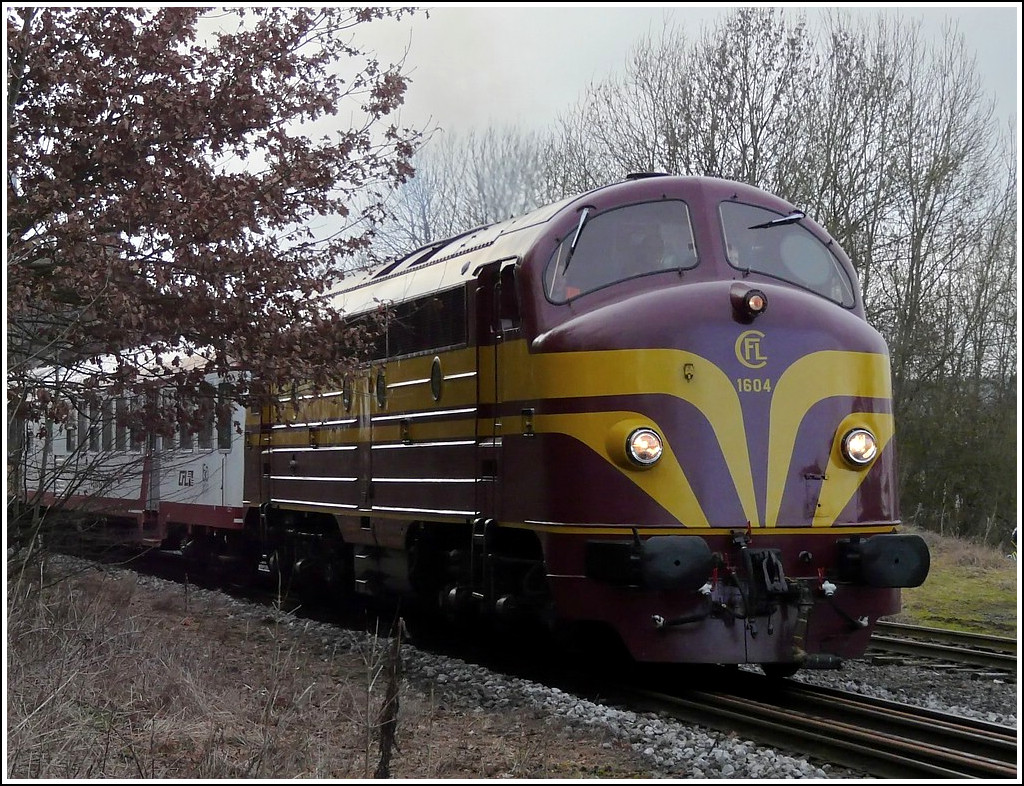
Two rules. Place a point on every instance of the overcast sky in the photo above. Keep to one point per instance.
(522, 64)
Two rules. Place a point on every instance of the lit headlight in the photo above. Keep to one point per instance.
(644, 446)
(859, 447)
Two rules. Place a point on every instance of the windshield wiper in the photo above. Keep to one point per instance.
(576, 237)
(792, 218)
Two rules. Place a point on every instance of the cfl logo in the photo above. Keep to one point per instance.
(748, 349)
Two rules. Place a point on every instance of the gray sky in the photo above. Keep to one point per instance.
(522, 64)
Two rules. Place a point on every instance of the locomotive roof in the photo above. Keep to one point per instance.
(455, 260)
(441, 265)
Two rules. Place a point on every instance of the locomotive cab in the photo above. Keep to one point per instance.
(724, 323)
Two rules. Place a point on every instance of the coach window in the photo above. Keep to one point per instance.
(208, 406)
(187, 437)
(631, 241)
(121, 425)
(169, 405)
(48, 441)
(224, 416)
(108, 426)
(184, 415)
(137, 432)
(83, 429)
(95, 423)
(206, 432)
(778, 245)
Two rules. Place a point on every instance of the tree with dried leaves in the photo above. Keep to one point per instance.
(185, 183)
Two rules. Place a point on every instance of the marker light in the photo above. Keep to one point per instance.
(755, 301)
(748, 303)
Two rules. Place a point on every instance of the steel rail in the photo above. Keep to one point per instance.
(1003, 644)
(993, 652)
(884, 739)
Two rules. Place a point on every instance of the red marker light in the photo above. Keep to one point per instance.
(747, 303)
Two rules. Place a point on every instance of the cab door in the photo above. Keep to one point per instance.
(496, 319)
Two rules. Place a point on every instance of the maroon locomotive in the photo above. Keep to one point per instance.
(655, 408)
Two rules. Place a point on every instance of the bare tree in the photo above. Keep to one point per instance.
(633, 122)
(571, 162)
(942, 169)
(462, 182)
(425, 208)
(959, 420)
(888, 141)
(502, 175)
(840, 171)
(730, 104)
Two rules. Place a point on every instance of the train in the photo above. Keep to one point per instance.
(654, 411)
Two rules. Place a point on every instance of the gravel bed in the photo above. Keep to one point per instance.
(677, 750)
(681, 750)
(674, 750)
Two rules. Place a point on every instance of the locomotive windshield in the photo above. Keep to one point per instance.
(765, 242)
(623, 243)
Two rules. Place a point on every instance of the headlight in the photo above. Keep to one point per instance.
(859, 447)
(644, 446)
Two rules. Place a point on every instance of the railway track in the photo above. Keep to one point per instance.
(956, 647)
(883, 739)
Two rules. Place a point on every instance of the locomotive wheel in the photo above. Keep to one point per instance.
(194, 551)
(280, 562)
(425, 625)
(779, 671)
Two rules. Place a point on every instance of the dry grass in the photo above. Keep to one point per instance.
(111, 679)
(970, 587)
(954, 552)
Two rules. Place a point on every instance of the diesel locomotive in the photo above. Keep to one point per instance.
(654, 409)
